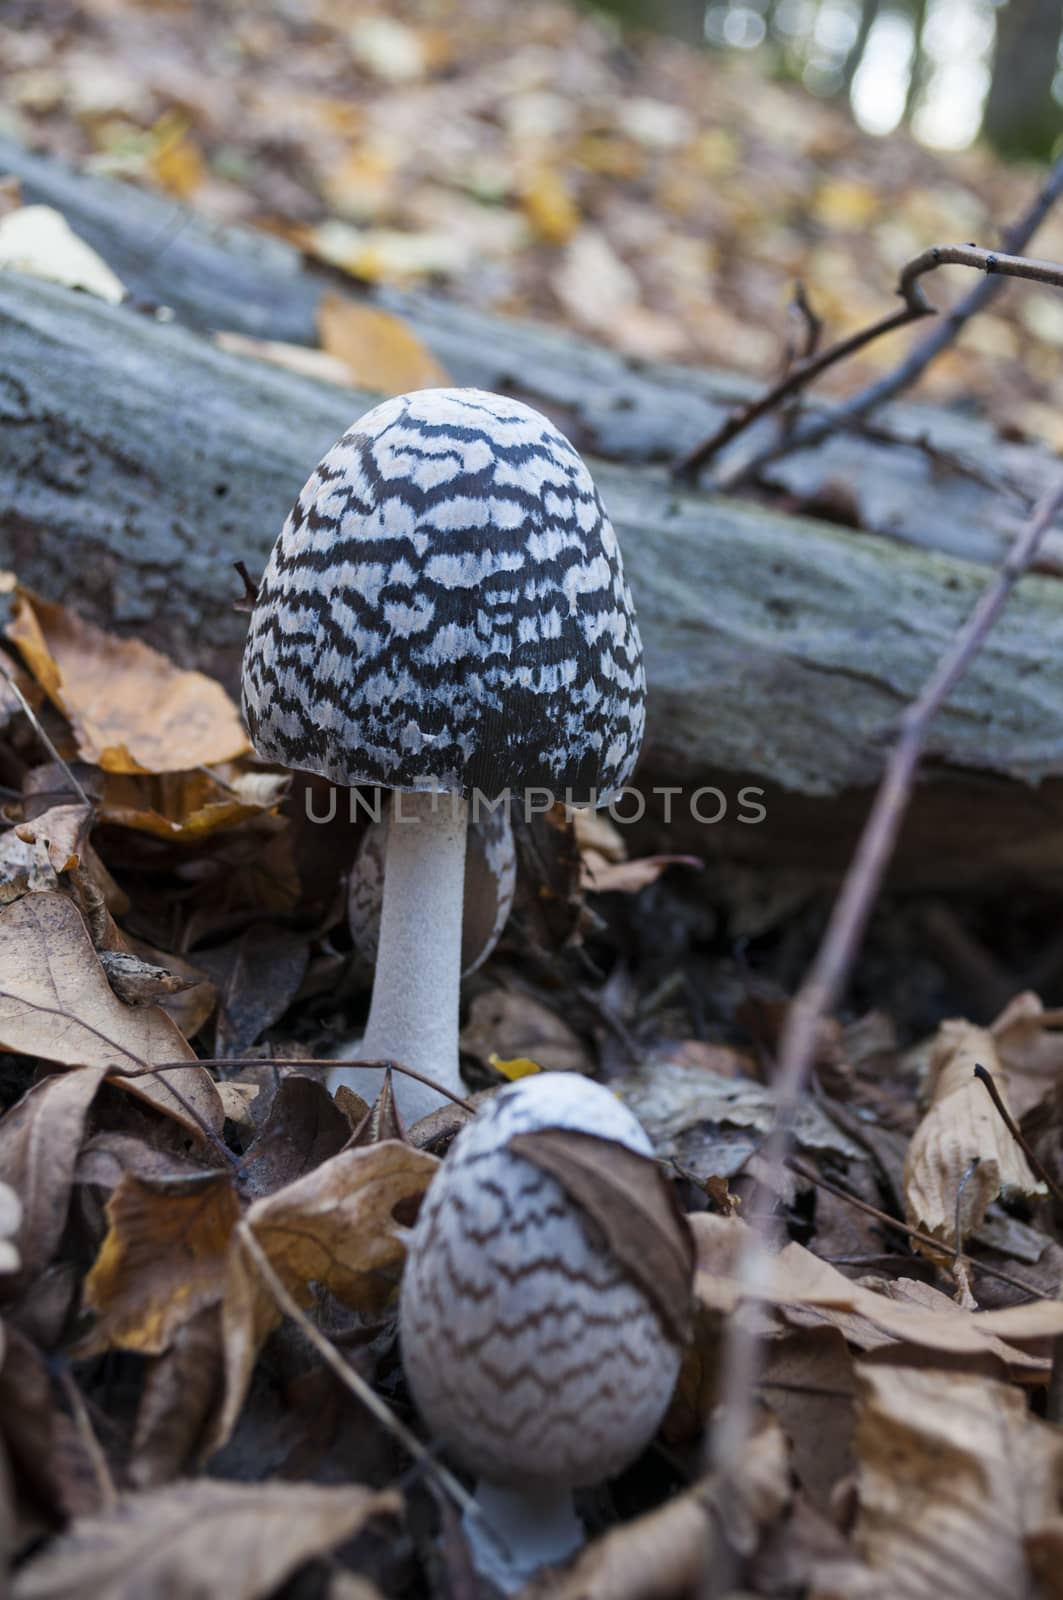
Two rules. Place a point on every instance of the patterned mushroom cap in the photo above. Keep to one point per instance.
(446, 608)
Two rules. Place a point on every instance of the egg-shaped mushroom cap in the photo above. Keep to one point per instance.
(529, 1349)
(445, 608)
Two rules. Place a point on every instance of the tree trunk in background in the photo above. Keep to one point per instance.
(682, 19)
(1022, 118)
(869, 11)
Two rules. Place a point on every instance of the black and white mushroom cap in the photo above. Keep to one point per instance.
(446, 609)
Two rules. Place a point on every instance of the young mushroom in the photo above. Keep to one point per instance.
(444, 614)
(533, 1352)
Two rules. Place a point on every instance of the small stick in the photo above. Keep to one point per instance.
(945, 332)
(351, 1380)
(231, 1062)
(904, 1227)
(87, 1435)
(830, 970)
(38, 728)
(1037, 1165)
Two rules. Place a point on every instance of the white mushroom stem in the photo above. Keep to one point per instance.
(413, 1017)
(521, 1531)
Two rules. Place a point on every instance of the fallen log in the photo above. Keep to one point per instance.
(233, 279)
(138, 461)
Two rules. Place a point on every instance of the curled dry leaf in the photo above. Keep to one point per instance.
(961, 1156)
(140, 983)
(187, 807)
(34, 855)
(952, 1473)
(201, 1539)
(341, 1226)
(130, 709)
(55, 1002)
(1029, 1042)
(38, 241)
(163, 1259)
(512, 1024)
(630, 1201)
(795, 1277)
(54, 1469)
(39, 1142)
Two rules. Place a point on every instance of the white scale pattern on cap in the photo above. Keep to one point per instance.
(527, 1348)
(446, 607)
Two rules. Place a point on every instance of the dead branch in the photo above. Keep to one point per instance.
(947, 329)
(916, 305)
(819, 994)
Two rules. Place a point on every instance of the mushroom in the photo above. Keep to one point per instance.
(444, 614)
(490, 883)
(530, 1349)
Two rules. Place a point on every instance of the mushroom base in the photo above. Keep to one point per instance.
(532, 1530)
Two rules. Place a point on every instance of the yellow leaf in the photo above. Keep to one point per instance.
(177, 161)
(379, 350)
(519, 1067)
(549, 206)
(163, 1259)
(845, 203)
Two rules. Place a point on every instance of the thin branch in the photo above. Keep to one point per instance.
(825, 982)
(352, 1380)
(800, 375)
(1037, 1166)
(904, 1227)
(926, 350)
(235, 1062)
(38, 728)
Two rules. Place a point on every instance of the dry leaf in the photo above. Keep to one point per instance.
(55, 1002)
(510, 1023)
(630, 1201)
(654, 1557)
(53, 1467)
(162, 1262)
(39, 1142)
(340, 1226)
(189, 806)
(961, 1156)
(180, 1390)
(130, 709)
(316, 364)
(379, 351)
(795, 1277)
(305, 1128)
(39, 241)
(1029, 1042)
(200, 1540)
(140, 983)
(629, 877)
(952, 1472)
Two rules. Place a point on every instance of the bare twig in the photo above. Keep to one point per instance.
(945, 331)
(903, 1227)
(916, 305)
(1037, 1166)
(822, 989)
(38, 728)
(231, 1062)
(800, 375)
(352, 1380)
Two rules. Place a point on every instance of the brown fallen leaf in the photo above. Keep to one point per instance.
(181, 1388)
(629, 1200)
(55, 1002)
(952, 1470)
(200, 1539)
(141, 983)
(54, 1470)
(39, 1142)
(797, 1278)
(10, 1223)
(162, 1262)
(257, 977)
(305, 1127)
(961, 1156)
(129, 707)
(378, 349)
(188, 807)
(341, 1226)
(1029, 1041)
(317, 364)
(511, 1024)
(629, 877)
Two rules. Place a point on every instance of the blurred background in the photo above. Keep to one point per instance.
(654, 174)
(946, 69)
